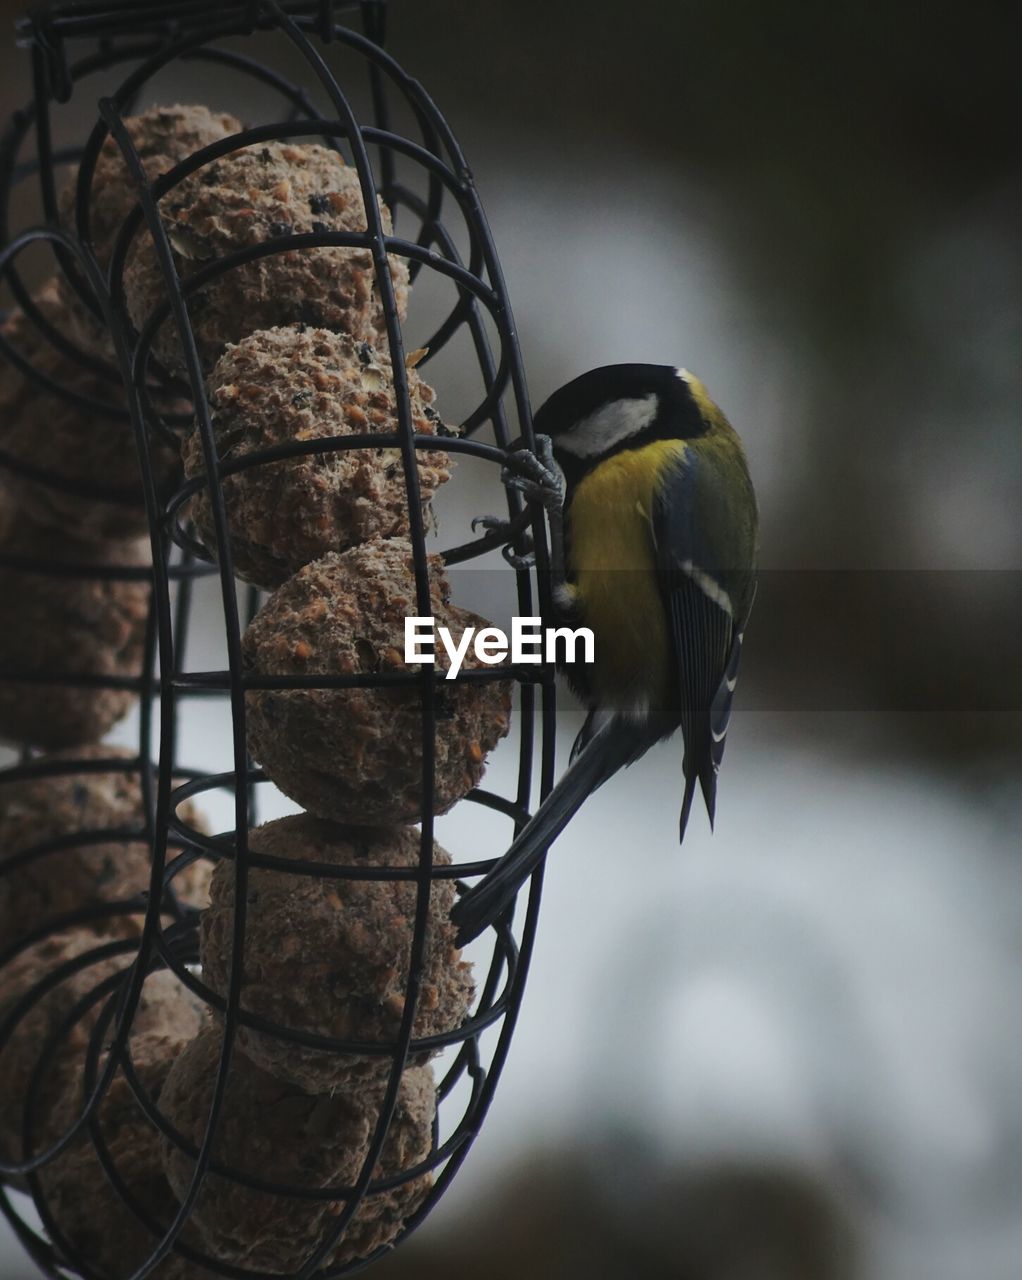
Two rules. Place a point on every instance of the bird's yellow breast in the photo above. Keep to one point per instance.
(612, 560)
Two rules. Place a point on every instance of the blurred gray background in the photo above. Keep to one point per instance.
(789, 1051)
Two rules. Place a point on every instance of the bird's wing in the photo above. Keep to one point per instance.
(720, 707)
(702, 568)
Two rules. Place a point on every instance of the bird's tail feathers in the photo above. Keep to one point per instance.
(701, 769)
(686, 804)
(708, 785)
(595, 721)
(611, 747)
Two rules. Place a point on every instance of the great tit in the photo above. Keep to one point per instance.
(653, 534)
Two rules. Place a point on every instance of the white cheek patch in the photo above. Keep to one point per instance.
(608, 426)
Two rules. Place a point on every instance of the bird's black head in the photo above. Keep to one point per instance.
(618, 407)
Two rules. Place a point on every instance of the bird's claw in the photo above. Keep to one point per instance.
(496, 524)
(535, 474)
(490, 523)
(526, 560)
(537, 477)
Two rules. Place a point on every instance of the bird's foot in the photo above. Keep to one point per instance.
(536, 475)
(524, 559)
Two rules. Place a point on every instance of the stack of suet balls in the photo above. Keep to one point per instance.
(74, 594)
(223, 1051)
(76, 854)
(295, 357)
(294, 348)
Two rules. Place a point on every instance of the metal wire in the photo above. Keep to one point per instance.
(68, 46)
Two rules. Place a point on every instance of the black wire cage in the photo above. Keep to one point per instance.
(100, 60)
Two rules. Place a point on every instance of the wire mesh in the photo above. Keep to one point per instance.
(102, 58)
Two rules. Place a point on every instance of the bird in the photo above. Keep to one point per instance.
(653, 527)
